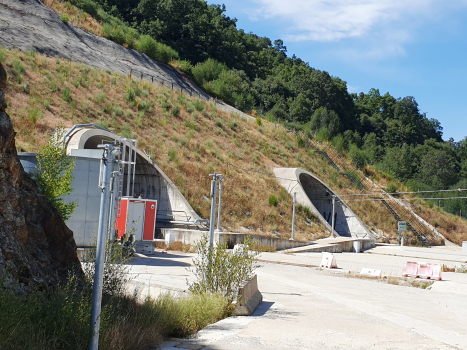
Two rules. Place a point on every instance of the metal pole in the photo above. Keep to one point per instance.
(333, 212)
(213, 208)
(293, 215)
(112, 203)
(101, 244)
(219, 208)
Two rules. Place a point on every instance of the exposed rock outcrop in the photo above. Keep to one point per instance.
(37, 249)
(3, 77)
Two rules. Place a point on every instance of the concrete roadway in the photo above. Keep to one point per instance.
(308, 308)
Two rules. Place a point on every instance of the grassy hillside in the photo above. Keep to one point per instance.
(188, 139)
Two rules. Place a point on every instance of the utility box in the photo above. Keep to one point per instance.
(138, 217)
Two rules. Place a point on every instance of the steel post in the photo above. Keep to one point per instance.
(219, 208)
(333, 223)
(213, 209)
(106, 164)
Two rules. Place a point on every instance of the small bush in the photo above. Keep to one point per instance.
(219, 123)
(175, 111)
(66, 94)
(126, 132)
(219, 271)
(233, 124)
(198, 105)
(64, 18)
(273, 201)
(172, 155)
(258, 121)
(100, 97)
(118, 111)
(391, 188)
(35, 114)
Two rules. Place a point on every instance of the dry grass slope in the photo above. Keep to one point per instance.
(188, 139)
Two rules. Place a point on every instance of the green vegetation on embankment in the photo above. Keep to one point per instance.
(188, 139)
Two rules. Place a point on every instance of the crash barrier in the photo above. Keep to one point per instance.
(422, 270)
(328, 261)
(249, 298)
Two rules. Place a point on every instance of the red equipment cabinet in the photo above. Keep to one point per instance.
(139, 215)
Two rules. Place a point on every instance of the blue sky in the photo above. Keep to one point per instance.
(407, 48)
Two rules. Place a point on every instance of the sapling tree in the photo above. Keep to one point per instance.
(221, 271)
(54, 173)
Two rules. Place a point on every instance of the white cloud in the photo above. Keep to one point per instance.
(322, 20)
(369, 29)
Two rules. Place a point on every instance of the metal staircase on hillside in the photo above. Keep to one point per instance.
(365, 186)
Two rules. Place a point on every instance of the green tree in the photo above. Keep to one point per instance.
(54, 174)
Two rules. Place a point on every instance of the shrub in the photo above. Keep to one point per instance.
(233, 124)
(219, 123)
(300, 142)
(323, 135)
(66, 94)
(34, 114)
(172, 155)
(165, 53)
(219, 271)
(64, 18)
(54, 174)
(147, 45)
(106, 30)
(258, 121)
(273, 201)
(207, 71)
(130, 94)
(198, 105)
(126, 132)
(118, 35)
(100, 97)
(175, 111)
(118, 111)
(391, 188)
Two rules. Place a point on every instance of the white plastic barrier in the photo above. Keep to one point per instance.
(422, 270)
(328, 261)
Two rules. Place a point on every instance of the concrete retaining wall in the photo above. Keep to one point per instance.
(193, 236)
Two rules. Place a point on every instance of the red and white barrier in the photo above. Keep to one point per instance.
(422, 270)
(328, 261)
(410, 269)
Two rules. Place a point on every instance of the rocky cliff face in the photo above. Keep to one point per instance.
(37, 249)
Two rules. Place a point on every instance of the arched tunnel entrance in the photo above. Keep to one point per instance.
(315, 194)
(321, 197)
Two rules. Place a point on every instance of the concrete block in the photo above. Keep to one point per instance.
(370, 272)
(144, 247)
(249, 298)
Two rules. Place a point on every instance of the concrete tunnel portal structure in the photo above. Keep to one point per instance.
(173, 210)
(316, 195)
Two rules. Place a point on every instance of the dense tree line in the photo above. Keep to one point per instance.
(253, 72)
